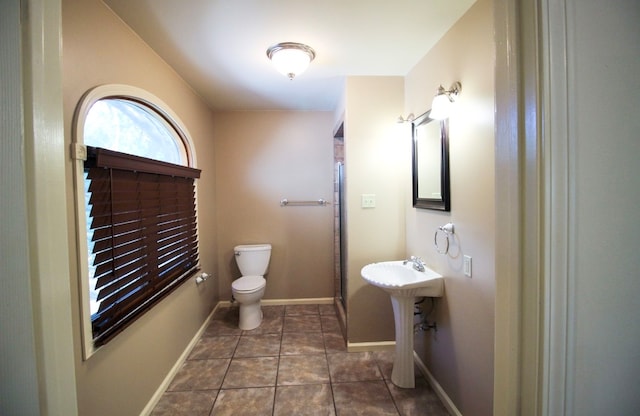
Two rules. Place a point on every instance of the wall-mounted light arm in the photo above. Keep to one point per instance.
(443, 101)
(409, 119)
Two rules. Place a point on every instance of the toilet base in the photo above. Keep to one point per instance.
(250, 316)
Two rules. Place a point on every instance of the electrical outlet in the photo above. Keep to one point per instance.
(368, 200)
(466, 264)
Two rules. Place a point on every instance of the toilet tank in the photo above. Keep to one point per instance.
(253, 259)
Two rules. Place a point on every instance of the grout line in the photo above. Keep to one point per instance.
(386, 384)
(331, 383)
(275, 387)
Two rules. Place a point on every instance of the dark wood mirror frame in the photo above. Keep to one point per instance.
(443, 203)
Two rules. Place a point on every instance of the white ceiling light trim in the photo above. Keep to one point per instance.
(291, 58)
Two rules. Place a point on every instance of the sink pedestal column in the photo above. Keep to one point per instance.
(404, 282)
(403, 366)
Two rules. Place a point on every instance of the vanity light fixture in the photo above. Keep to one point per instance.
(409, 119)
(291, 58)
(443, 101)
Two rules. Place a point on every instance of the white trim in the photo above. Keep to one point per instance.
(558, 307)
(371, 346)
(299, 301)
(177, 366)
(507, 341)
(47, 205)
(437, 388)
(86, 331)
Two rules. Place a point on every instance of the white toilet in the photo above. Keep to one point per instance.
(253, 261)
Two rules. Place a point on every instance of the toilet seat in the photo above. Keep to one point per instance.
(248, 284)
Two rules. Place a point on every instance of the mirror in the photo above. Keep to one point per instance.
(430, 164)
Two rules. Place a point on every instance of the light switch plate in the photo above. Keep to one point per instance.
(466, 264)
(368, 200)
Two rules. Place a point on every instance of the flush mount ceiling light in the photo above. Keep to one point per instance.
(291, 58)
(443, 101)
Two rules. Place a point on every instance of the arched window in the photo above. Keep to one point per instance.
(128, 126)
(137, 237)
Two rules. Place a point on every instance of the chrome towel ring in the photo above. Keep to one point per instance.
(447, 229)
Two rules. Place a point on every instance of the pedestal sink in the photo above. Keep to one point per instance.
(403, 283)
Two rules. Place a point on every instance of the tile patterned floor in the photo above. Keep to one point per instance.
(295, 363)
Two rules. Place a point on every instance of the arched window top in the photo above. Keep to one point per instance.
(130, 120)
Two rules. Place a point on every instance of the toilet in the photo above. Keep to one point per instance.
(253, 261)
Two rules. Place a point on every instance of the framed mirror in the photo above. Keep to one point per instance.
(431, 164)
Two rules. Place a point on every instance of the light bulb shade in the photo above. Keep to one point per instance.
(291, 59)
(440, 107)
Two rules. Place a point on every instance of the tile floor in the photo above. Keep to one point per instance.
(295, 363)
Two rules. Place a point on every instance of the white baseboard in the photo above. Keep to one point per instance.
(176, 367)
(300, 301)
(446, 400)
(370, 346)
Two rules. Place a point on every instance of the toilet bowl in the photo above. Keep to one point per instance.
(253, 261)
(248, 291)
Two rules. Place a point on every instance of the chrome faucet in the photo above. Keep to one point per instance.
(418, 264)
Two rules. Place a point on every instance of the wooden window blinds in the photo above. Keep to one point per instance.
(143, 218)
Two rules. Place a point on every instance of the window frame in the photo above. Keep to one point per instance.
(79, 155)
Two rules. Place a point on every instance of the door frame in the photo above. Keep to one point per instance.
(45, 155)
(533, 312)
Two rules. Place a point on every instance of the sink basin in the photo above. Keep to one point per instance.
(403, 280)
(404, 284)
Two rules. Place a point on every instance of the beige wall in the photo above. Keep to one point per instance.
(261, 158)
(460, 354)
(256, 161)
(376, 161)
(121, 377)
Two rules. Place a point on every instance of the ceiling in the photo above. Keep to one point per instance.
(219, 46)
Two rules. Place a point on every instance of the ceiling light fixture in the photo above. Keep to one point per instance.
(443, 101)
(291, 58)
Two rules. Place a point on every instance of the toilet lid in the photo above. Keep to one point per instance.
(248, 283)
